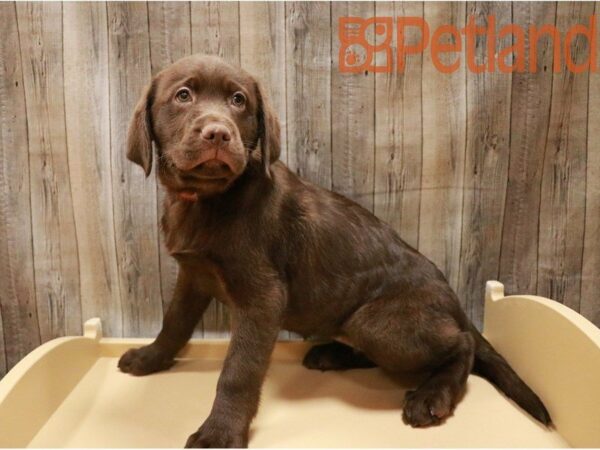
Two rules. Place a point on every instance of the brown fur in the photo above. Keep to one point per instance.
(282, 253)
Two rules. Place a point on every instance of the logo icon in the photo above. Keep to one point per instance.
(365, 44)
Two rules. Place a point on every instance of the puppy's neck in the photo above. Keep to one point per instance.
(238, 194)
(187, 196)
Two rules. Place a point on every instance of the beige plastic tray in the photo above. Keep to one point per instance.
(69, 392)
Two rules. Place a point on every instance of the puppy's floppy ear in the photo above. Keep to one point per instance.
(139, 136)
(268, 131)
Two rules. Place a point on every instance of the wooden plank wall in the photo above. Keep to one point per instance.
(491, 175)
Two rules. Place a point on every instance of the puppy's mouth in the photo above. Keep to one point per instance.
(211, 169)
(199, 171)
(213, 173)
(208, 162)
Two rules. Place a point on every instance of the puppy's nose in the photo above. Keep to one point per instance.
(216, 133)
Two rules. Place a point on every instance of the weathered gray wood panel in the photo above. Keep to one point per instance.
(489, 174)
(308, 75)
(444, 142)
(530, 111)
(590, 278)
(55, 257)
(562, 201)
(486, 163)
(21, 332)
(352, 133)
(88, 137)
(216, 29)
(262, 53)
(399, 132)
(134, 195)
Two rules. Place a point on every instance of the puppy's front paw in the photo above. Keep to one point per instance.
(215, 434)
(143, 361)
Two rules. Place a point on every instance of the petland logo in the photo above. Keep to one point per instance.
(361, 40)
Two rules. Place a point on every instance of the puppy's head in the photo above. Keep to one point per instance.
(210, 122)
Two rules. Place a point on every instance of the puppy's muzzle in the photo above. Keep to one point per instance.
(215, 134)
(211, 149)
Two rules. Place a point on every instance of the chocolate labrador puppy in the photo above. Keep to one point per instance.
(282, 253)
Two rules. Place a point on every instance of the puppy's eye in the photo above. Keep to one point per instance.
(183, 95)
(238, 99)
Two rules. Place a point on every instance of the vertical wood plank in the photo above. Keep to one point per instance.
(353, 124)
(486, 163)
(399, 132)
(55, 256)
(134, 196)
(308, 74)
(262, 53)
(170, 40)
(17, 288)
(444, 121)
(562, 204)
(530, 108)
(590, 279)
(170, 33)
(88, 136)
(216, 30)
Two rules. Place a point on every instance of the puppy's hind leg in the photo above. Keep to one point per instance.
(436, 398)
(336, 356)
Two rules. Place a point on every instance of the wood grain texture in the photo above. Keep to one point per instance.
(262, 53)
(88, 137)
(590, 278)
(444, 141)
(216, 31)
(352, 133)
(134, 196)
(170, 33)
(308, 74)
(17, 284)
(530, 113)
(55, 255)
(486, 164)
(562, 202)
(399, 132)
(170, 39)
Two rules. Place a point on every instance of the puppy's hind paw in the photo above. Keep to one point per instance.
(335, 356)
(423, 408)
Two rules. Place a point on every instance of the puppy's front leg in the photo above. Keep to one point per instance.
(254, 332)
(188, 304)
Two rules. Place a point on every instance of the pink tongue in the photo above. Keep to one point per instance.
(188, 196)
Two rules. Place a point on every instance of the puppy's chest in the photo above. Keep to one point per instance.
(189, 234)
(186, 233)
(187, 242)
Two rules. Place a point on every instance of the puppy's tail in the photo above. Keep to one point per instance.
(491, 365)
